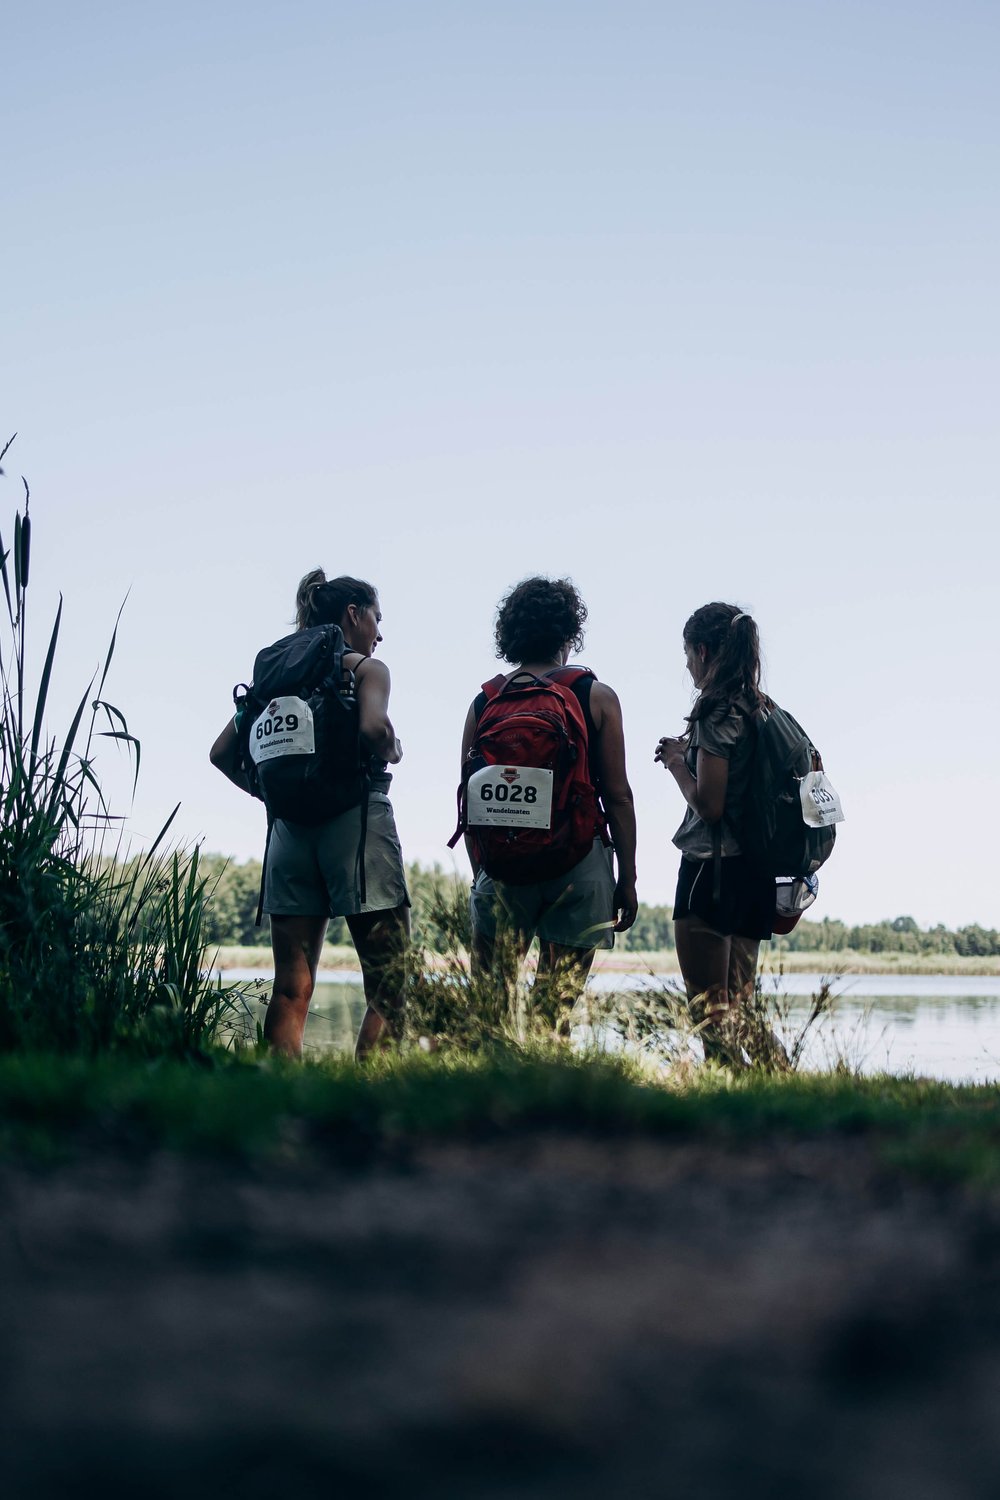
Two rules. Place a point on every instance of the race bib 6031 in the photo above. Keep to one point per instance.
(510, 797)
(284, 728)
(820, 803)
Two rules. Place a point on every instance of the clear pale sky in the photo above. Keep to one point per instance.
(684, 302)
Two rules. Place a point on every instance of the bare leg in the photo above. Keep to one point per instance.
(382, 940)
(704, 957)
(559, 982)
(498, 949)
(296, 943)
(743, 954)
(760, 1041)
(483, 952)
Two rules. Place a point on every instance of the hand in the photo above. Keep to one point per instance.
(670, 752)
(626, 905)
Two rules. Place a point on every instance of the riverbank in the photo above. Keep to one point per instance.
(664, 962)
(261, 1110)
(481, 1279)
(774, 960)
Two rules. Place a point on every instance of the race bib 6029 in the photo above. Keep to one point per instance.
(284, 728)
(510, 797)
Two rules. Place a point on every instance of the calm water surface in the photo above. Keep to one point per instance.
(937, 1026)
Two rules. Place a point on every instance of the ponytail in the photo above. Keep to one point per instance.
(323, 601)
(732, 661)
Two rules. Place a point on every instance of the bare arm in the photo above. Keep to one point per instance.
(223, 756)
(374, 724)
(609, 763)
(705, 792)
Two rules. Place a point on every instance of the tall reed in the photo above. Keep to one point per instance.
(97, 949)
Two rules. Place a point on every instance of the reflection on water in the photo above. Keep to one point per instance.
(952, 1038)
(334, 1016)
(935, 1031)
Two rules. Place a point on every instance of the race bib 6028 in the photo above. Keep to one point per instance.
(284, 728)
(510, 797)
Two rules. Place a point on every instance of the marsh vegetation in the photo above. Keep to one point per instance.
(101, 946)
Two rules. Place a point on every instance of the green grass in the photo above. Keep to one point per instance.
(260, 1111)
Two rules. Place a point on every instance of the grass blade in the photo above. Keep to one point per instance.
(130, 739)
(4, 554)
(111, 647)
(59, 783)
(113, 714)
(43, 687)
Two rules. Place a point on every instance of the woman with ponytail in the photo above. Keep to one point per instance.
(313, 870)
(724, 906)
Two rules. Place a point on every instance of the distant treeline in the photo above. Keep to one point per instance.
(901, 935)
(233, 906)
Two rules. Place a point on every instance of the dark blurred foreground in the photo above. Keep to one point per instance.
(540, 1317)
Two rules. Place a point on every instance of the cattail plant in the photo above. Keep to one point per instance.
(98, 948)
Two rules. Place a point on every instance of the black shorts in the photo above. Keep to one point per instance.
(745, 907)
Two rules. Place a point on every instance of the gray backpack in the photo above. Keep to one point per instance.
(775, 835)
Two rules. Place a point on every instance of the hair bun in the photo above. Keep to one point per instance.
(338, 593)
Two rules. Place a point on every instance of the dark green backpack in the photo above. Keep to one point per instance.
(297, 730)
(775, 833)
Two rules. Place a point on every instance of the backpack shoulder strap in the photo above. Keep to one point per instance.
(581, 687)
(338, 649)
(489, 691)
(572, 677)
(580, 680)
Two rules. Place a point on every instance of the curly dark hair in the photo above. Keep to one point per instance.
(537, 617)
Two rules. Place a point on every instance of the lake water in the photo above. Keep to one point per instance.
(937, 1026)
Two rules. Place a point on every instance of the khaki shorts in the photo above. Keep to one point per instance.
(315, 871)
(576, 909)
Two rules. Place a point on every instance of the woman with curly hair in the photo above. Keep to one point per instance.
(313, 870)
(724, 904)
(538, 624)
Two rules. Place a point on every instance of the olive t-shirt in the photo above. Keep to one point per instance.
(727, 732)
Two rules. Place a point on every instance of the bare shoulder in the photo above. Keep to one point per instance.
(367, 668)
(604, 704)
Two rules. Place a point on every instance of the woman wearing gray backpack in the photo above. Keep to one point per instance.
(349, 864)
(724, 906)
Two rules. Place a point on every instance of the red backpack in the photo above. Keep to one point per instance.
(527, 798)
